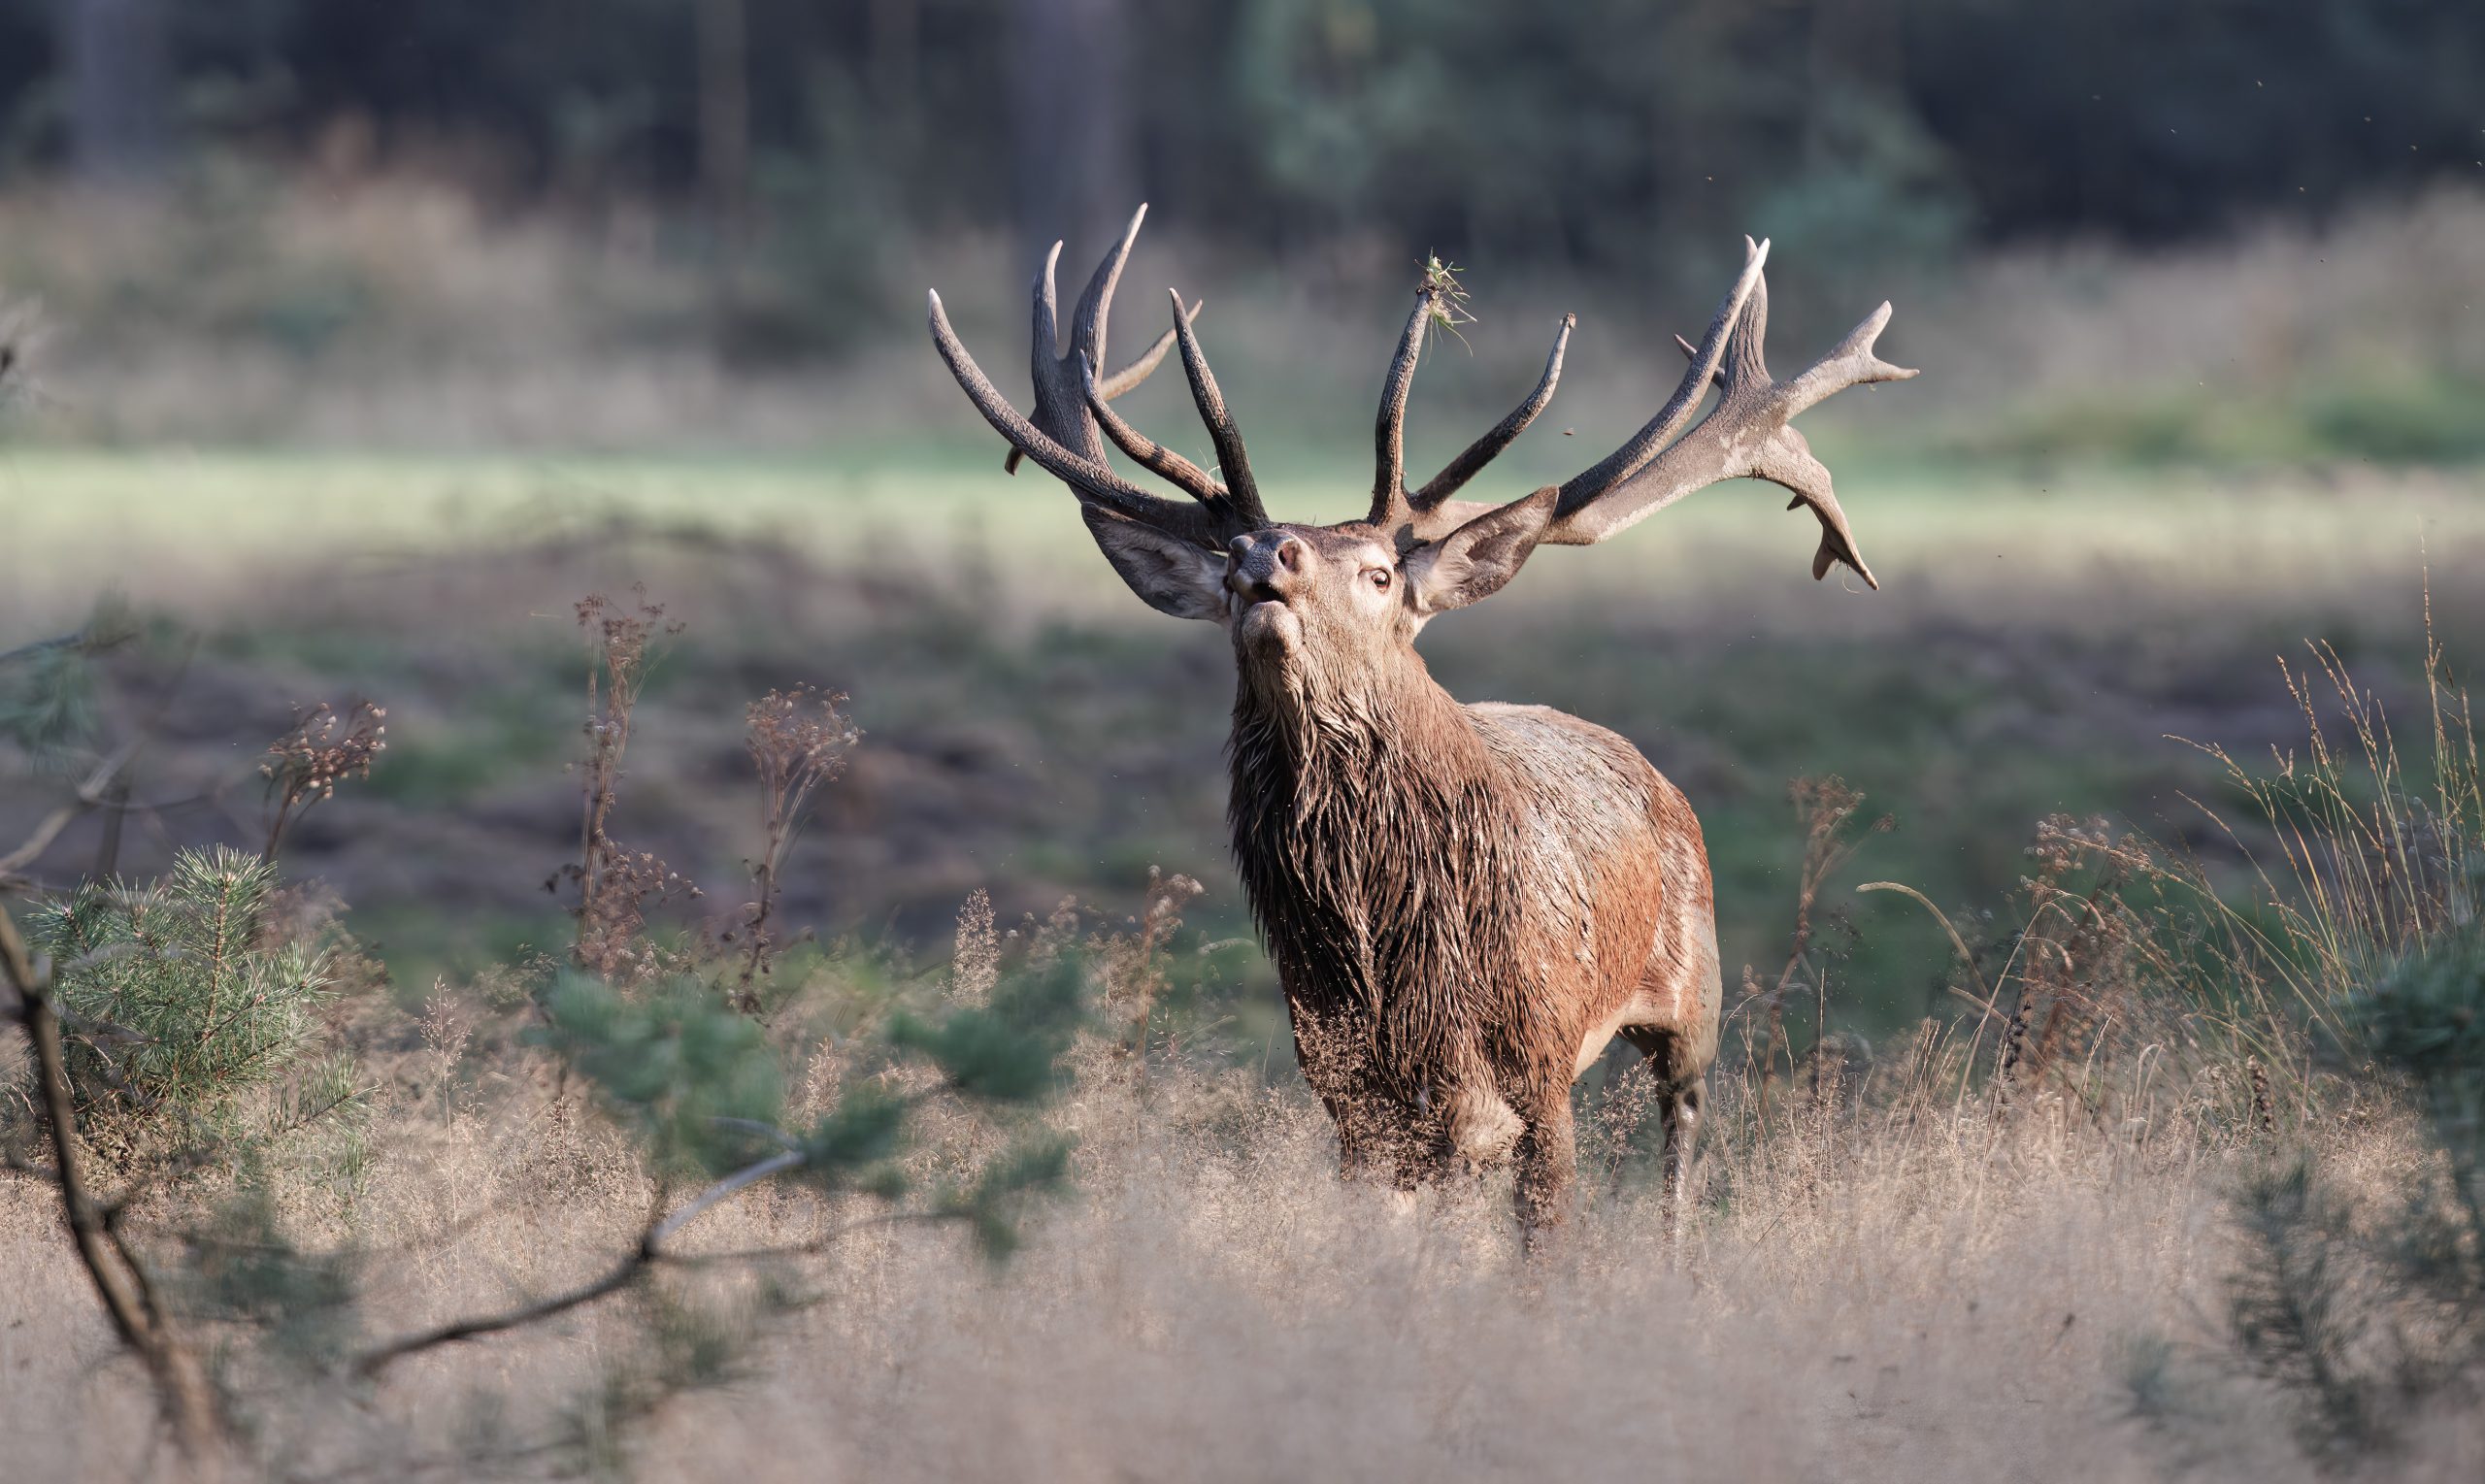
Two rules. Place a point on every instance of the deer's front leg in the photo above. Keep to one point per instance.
(1335, 1053)
(1547, 1165)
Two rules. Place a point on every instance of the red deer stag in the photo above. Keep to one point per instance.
(1465, 903)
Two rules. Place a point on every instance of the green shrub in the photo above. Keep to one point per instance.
(2425, 1021)
(2374, 1314)
(176, 997)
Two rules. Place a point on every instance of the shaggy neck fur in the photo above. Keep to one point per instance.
(1366, 828)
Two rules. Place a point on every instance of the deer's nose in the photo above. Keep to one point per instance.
(1266, 566)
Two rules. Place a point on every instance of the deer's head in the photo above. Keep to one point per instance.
(1311, 600)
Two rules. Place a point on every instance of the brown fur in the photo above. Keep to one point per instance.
(1464, 902)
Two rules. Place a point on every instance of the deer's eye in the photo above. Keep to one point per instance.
(1380, 577)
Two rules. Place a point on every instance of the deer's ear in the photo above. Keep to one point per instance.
(1170, 575)
(1473, 561)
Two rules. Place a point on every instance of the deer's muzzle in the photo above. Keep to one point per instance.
(1267, 566)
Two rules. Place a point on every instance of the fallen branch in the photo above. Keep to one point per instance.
(649, 1252)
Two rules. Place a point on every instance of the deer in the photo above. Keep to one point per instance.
(1465, 903)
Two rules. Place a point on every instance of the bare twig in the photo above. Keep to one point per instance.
(122, 1281)
(93, 792)
(622, 1274)
(628, 1272)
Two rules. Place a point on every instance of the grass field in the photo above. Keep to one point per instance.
(2039, 636)
(198, 523)
(1917, 1282)
(2105, 1187)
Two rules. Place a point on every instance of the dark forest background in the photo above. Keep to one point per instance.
(1580, 131)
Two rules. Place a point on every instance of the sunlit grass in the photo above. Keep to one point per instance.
(193, 524)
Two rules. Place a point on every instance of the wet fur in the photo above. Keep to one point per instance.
(1465, 903)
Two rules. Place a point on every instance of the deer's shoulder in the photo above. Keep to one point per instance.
(1558, 749)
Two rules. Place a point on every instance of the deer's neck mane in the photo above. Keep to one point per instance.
(1364, 832)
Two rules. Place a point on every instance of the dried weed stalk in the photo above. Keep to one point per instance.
(615, 886)
(1827, 807)
(1131, 964)
(446, 1030)
(798, 740)
(974, 965)
(305, 765)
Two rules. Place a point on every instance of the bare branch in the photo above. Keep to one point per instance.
(92, 793)
(724, 1190)
(120, 1280)
(628, 1272)
(649, 1252)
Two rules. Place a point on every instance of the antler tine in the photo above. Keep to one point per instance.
(1159, 460)
(1231, 462)
(1088, 479)
(1748, 434)
(1850, 363)
(1389, 508)
(1633, 456)
(1145, 364)
(1043, 339)
(1458, 471)
(1061, 401)
(1096, 300)
(1691, 353)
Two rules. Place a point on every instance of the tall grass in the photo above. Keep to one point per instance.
(2373, 861)
(2151, 1199)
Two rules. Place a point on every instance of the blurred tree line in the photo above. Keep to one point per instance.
(1582, 131)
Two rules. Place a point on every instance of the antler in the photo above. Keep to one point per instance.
(1230, 460)
(1062, 436)
(1454, 475)
(1748, 434)
(1392, 506)
(1120, 381)
(1060, 400)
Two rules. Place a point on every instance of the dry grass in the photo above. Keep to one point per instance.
(2386, 298)
(1919, 1292)
(397, 312)
(1907, 1276)
(1903, 1268)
